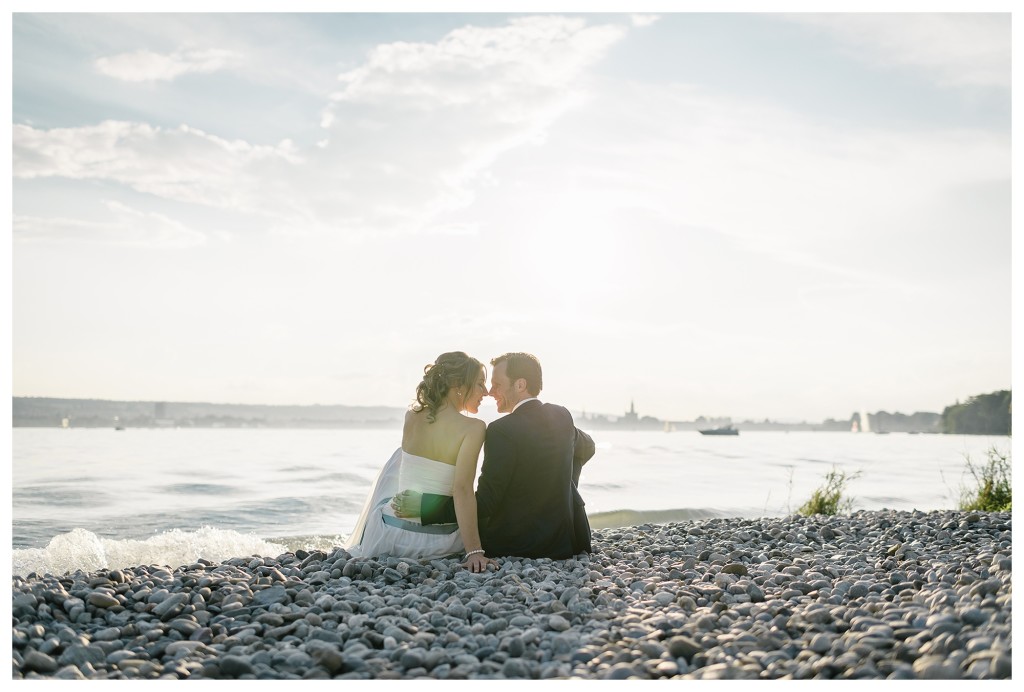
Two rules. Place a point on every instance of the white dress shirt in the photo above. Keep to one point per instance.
(532, 398)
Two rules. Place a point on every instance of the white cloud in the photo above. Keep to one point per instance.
(182, 164)
(642, 20)
(123, 226)
(147, 66)
(406, 138)
(957, 50)
(426, 119)
(514, 67)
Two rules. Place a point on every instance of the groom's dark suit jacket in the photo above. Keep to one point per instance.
(528, 504)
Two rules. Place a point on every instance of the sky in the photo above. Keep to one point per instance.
(783, 215)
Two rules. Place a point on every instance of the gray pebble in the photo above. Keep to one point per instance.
(101, 599)
(683, 647)
(235, 666)
(39, 662)
(515, 668)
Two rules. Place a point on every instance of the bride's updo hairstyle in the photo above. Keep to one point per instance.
(454, 369)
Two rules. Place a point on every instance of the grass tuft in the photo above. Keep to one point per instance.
(993, 490)
(828, 499)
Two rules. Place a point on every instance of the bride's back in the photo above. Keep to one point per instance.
(439, 440)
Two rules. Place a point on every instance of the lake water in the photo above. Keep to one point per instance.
(93, 498)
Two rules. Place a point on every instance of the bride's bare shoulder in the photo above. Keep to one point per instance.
(474, 426)
(413, 420)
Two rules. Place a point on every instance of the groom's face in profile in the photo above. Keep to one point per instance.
(503, 391)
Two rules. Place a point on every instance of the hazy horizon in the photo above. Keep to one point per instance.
(792, 216)
(488, 410)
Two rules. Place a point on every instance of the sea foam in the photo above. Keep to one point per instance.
(83, 550)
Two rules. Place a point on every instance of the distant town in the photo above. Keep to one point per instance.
(881, 421)
(96, 413)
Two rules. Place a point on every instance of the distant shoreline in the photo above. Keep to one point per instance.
(52, 412)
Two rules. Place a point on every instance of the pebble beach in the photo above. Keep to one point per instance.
(871, 595)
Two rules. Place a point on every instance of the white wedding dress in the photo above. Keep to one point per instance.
(379, 532)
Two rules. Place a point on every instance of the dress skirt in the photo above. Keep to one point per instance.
(378, 532)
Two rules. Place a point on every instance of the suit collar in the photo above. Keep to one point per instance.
(526, 403)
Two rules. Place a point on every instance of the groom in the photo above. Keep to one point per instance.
(528, 504)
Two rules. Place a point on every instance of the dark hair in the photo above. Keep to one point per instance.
(522, 365)
(453, 369)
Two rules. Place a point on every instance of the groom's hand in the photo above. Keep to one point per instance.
(407, 504)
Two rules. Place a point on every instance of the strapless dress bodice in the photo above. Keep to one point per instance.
(426, 475)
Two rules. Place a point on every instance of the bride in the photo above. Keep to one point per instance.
(439, 452)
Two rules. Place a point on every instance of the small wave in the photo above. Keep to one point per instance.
(884, 500)
(61, 496)
(324, 544)
(83, 550)
(200, 489)
(345, 477)
(594, 487)
(631, 517)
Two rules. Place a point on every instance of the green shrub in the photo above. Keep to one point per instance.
(993, 490)
(828, 499)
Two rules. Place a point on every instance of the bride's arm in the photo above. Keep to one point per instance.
(465, 498)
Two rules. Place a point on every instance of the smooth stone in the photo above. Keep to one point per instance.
(737, 568)
(516, 647)
(664, 598)
(271, 595)
(414, 658)
(69, 672)
(1001, 666)
(188, 646)
(821, 643)
(683, 647)
(667, 668)
(40, 662)
(106, 635)
(101, 599)
(495, 626)
(235, 666)
(172, 603)
(78, 655)
(621, 671)
(936, 667)
(515, 668)
(858, 590)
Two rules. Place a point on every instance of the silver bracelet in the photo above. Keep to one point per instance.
(475, 552)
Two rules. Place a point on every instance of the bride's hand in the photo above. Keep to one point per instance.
(407, 504)
(479, 563)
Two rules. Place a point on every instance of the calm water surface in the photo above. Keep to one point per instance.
(90, 498)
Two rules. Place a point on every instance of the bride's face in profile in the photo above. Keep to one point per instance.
(476, 394)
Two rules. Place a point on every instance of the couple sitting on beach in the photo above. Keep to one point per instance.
(526, 504)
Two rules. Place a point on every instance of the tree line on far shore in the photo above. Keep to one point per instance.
(985, 414)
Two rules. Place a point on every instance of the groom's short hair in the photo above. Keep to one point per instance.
(522, 365)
